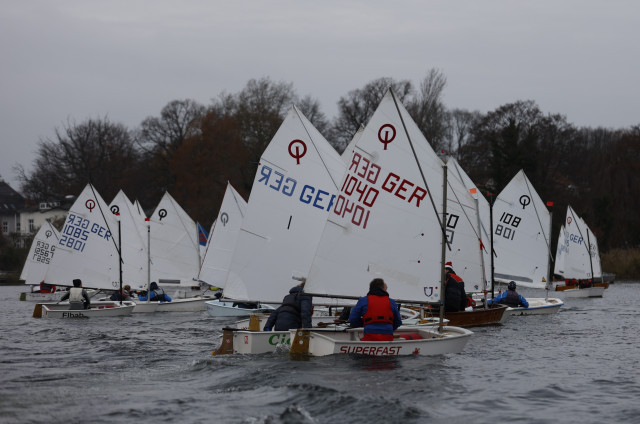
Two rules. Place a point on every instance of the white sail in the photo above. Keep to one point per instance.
(87, 248)
(384, 224)
(174, 246)
(582, 259)
(133, 239)
(520, 237)
(561, 252)
(293, 191)
(40, 254)
(483, 209)
(223, 237)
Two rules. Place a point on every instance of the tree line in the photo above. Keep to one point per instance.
(192, 150)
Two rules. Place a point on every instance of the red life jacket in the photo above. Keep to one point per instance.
(378, 310)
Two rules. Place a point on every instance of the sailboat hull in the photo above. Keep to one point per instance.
(98, 310)
(191, 304)
(585, 292)
(537, 306)
(420, 342)
(494, 315)
(41, 297)
(218, 308)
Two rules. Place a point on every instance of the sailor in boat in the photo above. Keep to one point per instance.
(120, 295)
(455, 295)
(78, 297)
(510, 297)
(295, 311)
(156, 294)
(584, 284)
(47, 288)
(377, 312)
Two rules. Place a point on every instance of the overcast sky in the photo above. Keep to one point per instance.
(79, 59)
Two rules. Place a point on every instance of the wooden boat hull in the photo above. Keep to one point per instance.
(493, 315)
(585, 292)
(98, 310)
(328, 342)
(217, 308)
(603, 284)
(537, 306)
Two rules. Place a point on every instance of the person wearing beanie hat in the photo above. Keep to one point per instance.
(510, 297)
(455, 296)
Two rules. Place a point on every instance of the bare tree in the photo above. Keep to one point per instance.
(428, 110)
(160, 137)
(96, 151)
(358, 106)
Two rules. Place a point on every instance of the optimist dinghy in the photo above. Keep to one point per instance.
(98, 309)
(409, 341)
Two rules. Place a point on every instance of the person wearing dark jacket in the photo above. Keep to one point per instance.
(156, 294)
(119, 296)
(377, 312)
(295, 311)
(510, 297)
(78, 297)
(455, 297)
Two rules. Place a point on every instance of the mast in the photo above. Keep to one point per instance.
(492, 253)
(590, 260)
(549, 273)
(484, 280)
(443, 244)
(120, 253)
(148, 257)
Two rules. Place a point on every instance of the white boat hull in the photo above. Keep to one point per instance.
(217, 308)
(41, 297)
(98, 310)
(322, 343)
(585, 292)
(145, 307)
(191, 304)
(537, 306)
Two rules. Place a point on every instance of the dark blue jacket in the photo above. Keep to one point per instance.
(360, 309)
(157, 295)
(295, 312)
(502, 297)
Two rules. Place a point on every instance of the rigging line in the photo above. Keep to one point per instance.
(458, 171)
(463, 208)
(55, 233)
(588, 248)
(435, 210)
(546, 241)
(105, 221)
(184, 227)
(235, 199)
(316, 148)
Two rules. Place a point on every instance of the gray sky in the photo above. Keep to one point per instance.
(80, 59)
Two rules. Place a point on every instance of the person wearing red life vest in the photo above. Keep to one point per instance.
(377, 312)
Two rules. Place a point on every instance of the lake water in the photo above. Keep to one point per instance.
(581, 365)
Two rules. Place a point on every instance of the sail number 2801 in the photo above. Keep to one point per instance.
(76, 232)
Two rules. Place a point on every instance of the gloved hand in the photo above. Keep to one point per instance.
(266, 329)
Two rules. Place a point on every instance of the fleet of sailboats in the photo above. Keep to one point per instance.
(389, 207)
